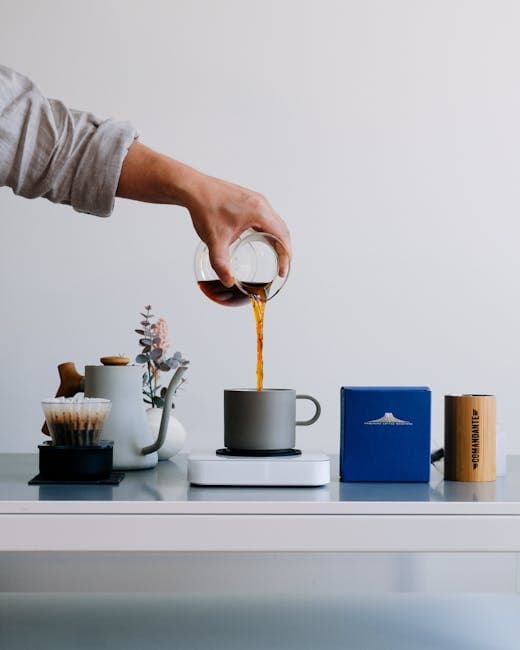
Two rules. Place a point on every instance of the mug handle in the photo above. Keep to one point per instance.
(316, 415)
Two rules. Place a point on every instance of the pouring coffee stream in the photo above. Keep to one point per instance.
(255, 262)
(258, 299)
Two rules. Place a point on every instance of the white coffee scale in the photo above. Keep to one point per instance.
(306, 469)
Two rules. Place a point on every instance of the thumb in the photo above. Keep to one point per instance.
(221, 263)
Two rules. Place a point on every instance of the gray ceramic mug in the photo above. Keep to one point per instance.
(263, 420)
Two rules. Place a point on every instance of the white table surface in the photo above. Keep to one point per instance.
(157, 510)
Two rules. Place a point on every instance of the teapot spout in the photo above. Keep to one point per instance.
(168, 400)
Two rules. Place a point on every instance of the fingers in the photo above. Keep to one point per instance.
(266, 219)
(275, 225)
(284, 260)
(220, 261)
(285, 250)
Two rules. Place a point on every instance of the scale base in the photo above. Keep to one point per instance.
(258, 453)
(310, 469)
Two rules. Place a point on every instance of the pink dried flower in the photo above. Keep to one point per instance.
(161, 332)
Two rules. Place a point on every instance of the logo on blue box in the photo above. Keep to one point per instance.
(389, 418)
(394, 446)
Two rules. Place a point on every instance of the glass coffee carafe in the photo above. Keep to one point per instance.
(256, 260)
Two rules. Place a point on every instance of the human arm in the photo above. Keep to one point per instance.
(48, 150)
(220, 211)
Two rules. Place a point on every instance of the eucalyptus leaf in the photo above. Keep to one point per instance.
(156, 353)
(164, 367)
(178, 356)
(156, 340)
(141, 358)
(146, 340)
(146, 349)
(173, 363)
(139, 331)
(158, 401)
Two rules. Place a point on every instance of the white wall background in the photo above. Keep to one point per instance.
(387, 133)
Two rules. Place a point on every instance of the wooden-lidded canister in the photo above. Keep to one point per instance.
(470, 437)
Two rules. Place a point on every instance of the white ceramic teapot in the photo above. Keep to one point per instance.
(127, 424)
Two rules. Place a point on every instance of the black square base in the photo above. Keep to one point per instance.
(69, 463)
(114, 478)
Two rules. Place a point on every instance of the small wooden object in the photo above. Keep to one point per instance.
(71, 382)
(115, 361)
(470, 437)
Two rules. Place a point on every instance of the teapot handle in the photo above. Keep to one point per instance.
(71, 382)
(165, 418)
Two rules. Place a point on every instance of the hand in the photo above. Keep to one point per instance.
(222, 211)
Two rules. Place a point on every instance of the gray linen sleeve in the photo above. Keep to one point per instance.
(48, 150)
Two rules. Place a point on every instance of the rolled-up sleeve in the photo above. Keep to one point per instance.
(48, 150)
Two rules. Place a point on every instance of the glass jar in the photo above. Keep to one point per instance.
(255, 263)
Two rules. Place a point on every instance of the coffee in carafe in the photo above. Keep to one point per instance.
(232, 296)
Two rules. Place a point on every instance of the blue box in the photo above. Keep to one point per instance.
(385, 434)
